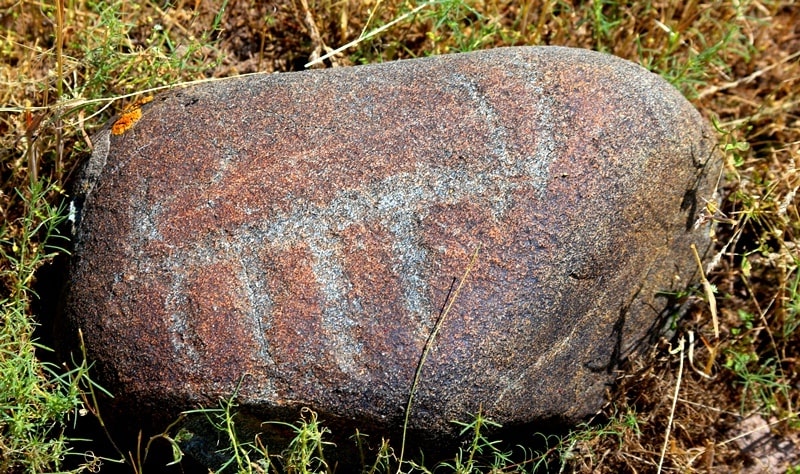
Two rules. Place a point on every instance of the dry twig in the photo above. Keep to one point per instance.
(316, 39)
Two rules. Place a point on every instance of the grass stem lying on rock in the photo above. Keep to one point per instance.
(451, 298)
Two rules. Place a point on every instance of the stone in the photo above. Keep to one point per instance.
(293, 238)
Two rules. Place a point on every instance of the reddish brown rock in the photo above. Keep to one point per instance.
(301, 232)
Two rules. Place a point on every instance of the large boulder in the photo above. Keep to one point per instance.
(295, 237)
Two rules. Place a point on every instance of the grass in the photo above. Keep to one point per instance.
(68, 67)
(37, 398)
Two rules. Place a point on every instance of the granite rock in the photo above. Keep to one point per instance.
(295, 237)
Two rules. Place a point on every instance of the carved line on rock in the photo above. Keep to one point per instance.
(537, 167)
(399, 203)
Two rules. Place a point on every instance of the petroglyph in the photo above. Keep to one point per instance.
(293, 237)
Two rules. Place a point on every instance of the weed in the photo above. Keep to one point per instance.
(114, 63)
(762, 382)
(37, 399)
(304, 454)
(250, 456)
(456, 26)
(604, 24)
(791, 316)
(689, 72)
(383, 457)
(480, 446)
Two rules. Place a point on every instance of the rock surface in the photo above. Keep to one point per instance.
(299, 234)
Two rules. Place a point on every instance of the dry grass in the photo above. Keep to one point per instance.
(737, 61)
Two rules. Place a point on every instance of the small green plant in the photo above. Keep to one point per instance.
(732, 145)
(481, 447)
(458, 27)
(747, 319)
(791, 316)
(383, 457)
(304, 454)
(37, 399)
(243, 456)
(762, 381)
(605, 18)
(686, 57)
(113, 64)
(578, 442)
